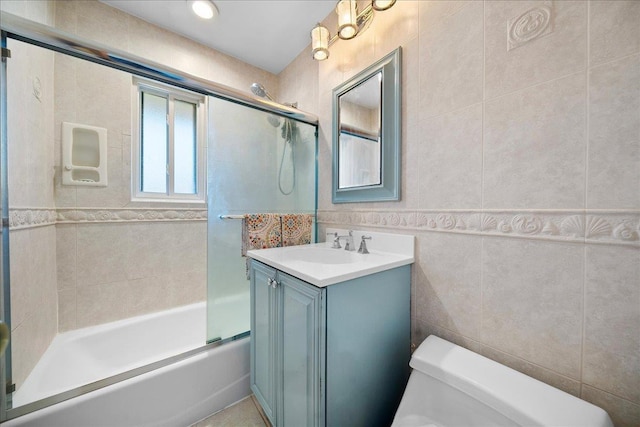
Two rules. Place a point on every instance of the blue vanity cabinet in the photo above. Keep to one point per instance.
(263, 338)
(300, 398)
(329, 356)
(287, 352)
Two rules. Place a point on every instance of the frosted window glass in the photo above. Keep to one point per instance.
(154, 143)
(184, 148)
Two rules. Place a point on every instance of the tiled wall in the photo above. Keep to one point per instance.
(110, 264)
(521, 181)
(30, 172)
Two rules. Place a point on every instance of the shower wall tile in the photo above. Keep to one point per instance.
(614, 135)
(103, 99)
(612, 314)
(447, 282)
(30, 340)
(534, 147)
(67, 310)
(622, 412)
(118, 191)
(189, 287)
(532, 301)
(190, 57)
(101, 254)
(66, 250)
(101, 23)
(34, 317)
(614, 30)
(102, 303)
(451, 57)
(146, 40)
(451, 160)
(556, 52)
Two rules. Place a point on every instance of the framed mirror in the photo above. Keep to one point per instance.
(366, 134)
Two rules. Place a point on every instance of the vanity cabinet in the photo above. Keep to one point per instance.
(329, 356)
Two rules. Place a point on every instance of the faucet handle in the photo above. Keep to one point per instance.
(363, 245)
(336, 240)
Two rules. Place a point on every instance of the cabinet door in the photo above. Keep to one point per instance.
(302, 359)
(263, 337)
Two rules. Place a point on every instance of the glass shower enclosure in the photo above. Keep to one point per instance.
(257, 163)
(259, 159)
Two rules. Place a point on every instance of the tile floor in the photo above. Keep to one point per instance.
(242, 414)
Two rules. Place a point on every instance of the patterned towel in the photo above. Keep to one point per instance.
(261, 231)
(296, 229)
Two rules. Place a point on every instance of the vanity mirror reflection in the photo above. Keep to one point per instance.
(366, 134)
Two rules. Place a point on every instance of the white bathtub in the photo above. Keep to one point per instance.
(178, 394)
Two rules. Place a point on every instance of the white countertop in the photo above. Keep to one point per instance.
(321, 265)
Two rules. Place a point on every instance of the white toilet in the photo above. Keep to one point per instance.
(452, 386)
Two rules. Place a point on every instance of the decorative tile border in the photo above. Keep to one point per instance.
(31, 217)
(609, 227)
(22, 218)
(101, 215)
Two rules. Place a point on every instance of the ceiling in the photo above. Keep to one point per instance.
(268, 34)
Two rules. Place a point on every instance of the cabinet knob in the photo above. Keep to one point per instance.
(272, 282)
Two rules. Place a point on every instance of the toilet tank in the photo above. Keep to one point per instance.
(452, 386)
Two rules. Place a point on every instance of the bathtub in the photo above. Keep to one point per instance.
(198, 382)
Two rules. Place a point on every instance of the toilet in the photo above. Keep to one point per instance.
(452, 386)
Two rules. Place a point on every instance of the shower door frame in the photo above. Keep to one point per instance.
(5, 292)
(33, 33)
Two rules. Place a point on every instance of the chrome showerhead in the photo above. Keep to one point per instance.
(260, 91)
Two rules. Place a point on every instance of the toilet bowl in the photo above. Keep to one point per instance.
(452, 386)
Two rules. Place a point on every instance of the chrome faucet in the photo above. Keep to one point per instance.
(348, 244)
(363, 245)
(336, 240)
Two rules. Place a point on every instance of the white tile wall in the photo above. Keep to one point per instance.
(552, 124)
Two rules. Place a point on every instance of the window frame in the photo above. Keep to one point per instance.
(172, 94)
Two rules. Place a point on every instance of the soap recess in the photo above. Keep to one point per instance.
(84, 155)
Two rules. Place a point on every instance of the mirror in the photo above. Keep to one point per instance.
(366, 134)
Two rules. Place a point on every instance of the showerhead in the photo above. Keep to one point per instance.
(260, 91)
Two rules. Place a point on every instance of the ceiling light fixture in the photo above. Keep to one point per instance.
(350, 24)
(205, 9)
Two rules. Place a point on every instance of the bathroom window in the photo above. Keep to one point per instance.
(168, 144)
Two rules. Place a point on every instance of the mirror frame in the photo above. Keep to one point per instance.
(391, 125)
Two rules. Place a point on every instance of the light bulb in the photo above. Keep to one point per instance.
(204, 9)
(347, 16)
(381, 5)
(320, 42)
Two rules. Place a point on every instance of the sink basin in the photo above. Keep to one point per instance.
(321, 255)
(321, 265)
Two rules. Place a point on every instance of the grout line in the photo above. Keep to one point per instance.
(586, 198)
(611, 61)
(536, 85)
(482, 163)
(484, 96)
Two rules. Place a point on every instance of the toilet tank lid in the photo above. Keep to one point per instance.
(517, 396)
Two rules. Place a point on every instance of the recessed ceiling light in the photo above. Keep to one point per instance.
(204, 9)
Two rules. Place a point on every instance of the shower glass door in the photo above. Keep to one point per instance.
(257, 163)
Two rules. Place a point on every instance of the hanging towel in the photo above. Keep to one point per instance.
(261, 231)
(296, 229)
